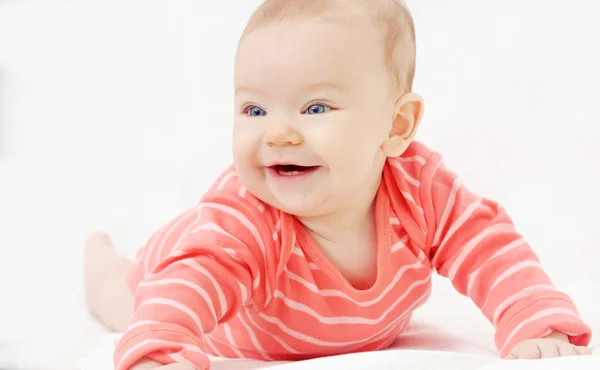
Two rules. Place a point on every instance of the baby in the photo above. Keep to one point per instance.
(322, 237)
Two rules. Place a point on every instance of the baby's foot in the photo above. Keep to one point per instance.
(106, 292)
(100, 257)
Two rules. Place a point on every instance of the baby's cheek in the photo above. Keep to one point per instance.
(356, 165)
(243, 149)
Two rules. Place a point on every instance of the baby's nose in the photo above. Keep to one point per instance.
(282, 136)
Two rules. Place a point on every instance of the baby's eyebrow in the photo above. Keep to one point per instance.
(244, 89)
(324, 85)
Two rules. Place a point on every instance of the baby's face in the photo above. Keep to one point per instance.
(314, 104)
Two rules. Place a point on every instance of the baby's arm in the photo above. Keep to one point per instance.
(473, 241)
(204, 281)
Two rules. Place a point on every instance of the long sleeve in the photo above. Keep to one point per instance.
(214, 264)
(472, 241)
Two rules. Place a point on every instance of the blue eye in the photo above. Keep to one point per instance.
(317, 109)
(254, 111)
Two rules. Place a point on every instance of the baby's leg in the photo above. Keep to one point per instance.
(107, 294)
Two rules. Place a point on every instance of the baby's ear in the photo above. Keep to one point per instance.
(409, 110)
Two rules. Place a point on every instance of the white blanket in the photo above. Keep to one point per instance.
(98, 356)
(455, 337)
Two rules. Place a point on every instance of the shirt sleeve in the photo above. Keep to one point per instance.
(215, 268)
(473, 242)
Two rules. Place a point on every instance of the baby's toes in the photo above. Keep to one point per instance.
(97, 243)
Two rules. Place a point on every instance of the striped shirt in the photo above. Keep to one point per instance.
(234, 277)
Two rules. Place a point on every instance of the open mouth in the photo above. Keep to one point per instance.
(292, 169)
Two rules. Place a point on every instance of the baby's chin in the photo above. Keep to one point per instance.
(296, 204)
(302, 201)
(293, 205)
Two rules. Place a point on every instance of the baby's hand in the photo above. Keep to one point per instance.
(146, 364)
(554, 345)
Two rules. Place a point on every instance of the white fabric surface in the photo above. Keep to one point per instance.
(95, 358)
(457, 337)
(423, 346)
(115, 114)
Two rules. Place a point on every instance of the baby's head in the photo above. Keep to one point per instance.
(323, 94)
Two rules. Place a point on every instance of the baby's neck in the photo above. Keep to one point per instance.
(354, 219)
(337, 227)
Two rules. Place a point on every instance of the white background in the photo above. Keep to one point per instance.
(116, 114)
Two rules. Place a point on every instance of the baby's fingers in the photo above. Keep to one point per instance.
(567, 349)
(525, 351)
(550, 350)
(582, 351)
(562, 349)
